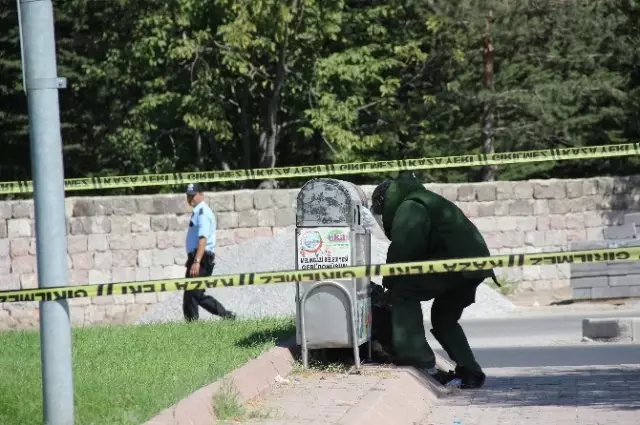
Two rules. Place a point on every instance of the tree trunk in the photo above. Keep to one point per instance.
(489, 171)
(246, 125)
(267, 141)
(270, 132)
(199, 158)
(221, 160)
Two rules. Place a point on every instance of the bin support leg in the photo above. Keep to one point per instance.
(352, 322)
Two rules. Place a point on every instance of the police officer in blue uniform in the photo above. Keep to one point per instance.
(201, 244)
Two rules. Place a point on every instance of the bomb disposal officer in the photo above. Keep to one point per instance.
(201, 244)
(422, 226)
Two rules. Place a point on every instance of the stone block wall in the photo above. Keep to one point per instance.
(609, 279)
(114, 239)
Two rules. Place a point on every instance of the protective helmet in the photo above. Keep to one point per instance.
(378, 197)
(377, 201)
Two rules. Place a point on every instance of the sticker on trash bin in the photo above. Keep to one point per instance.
(364, 318)
(323, 248)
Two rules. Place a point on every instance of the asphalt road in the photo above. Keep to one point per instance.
(530, 330)
(564, 355)
(538, 341)
(551, 326)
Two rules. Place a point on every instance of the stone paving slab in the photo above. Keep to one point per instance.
(593, 395)
(379, 395)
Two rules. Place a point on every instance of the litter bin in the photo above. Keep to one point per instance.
(329, 234)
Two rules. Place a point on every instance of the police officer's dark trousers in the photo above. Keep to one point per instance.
(451, 295)
(193, 299)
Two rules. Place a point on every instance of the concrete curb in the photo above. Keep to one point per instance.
(403, 399)
(616, 329)
(250, 380)
(400, 400)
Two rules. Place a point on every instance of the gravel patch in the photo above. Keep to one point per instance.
(278, 253)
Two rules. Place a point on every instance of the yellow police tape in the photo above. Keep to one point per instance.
(518, 157)
(265, 278)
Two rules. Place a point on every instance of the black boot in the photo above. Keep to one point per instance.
(461, 377)
(444, 377)
(469, 379)
(455, 344)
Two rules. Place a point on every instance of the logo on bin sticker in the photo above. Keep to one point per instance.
(337, 236)
(310, 242)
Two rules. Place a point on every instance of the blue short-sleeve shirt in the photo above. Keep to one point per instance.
(202, 224)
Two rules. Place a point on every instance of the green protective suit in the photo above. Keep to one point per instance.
(422, 226)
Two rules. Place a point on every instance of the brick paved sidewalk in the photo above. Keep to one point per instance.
(595, 395)
(377, 396)
(315, 399)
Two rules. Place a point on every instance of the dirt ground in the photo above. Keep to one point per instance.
(560, 299)
(539, 297)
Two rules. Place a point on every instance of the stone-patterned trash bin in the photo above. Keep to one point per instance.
(332, 313)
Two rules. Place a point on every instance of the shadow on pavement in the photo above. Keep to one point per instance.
(611, 388)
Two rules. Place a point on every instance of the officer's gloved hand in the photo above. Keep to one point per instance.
(387, 285)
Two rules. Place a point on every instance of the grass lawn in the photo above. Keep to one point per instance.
(125, 375)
